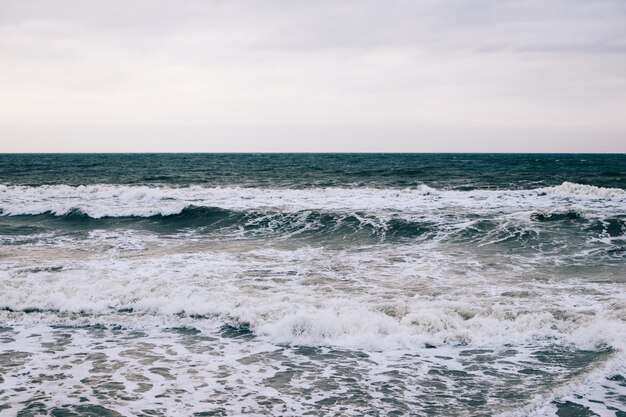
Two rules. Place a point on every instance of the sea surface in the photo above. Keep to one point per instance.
(313, 285)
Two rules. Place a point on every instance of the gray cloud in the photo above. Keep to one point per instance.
(242, 69)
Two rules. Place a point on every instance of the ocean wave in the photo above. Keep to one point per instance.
(536, 220)
(540, 231)
(341, 323)
(105, 200)
(234, 223)
(320, 297)
(573, 189)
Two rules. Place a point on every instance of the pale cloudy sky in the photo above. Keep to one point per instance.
(369, 75)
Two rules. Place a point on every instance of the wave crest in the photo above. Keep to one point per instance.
(104, 200)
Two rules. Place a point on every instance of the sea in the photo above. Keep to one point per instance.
(313, 285)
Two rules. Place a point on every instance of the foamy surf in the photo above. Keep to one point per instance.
(106, 200)
(348, 294)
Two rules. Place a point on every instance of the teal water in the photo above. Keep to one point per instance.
(445, 171)
(313, 284)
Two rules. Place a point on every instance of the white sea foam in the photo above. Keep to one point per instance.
(318, 297)
(104, 200)
(569, 189)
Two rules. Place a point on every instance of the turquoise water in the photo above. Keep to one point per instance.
(330, 284)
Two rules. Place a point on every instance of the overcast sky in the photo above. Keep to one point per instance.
(249, 76)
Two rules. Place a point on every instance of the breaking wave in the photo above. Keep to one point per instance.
(104, 200)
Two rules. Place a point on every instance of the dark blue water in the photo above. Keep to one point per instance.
(447, 171)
